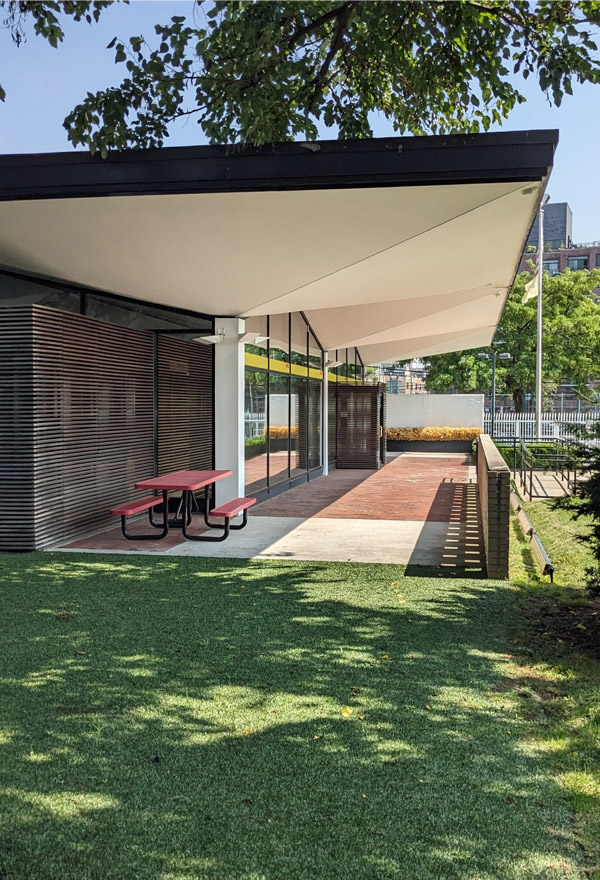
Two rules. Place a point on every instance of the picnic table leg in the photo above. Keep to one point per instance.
(207, 498)
(158, 525)
(185, 522)
(155, 537)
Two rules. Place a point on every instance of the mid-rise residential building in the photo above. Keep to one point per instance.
(560, 251)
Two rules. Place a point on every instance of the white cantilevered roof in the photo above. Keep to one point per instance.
(395, 270)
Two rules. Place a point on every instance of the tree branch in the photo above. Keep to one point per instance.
(336, 43)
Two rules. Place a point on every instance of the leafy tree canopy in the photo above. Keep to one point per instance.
(256, 72)
(571, 342)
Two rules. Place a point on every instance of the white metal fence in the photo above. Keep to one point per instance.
(509, 425)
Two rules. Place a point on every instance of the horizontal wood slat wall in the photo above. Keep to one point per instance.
(360, 426)
(93, 420)
(16, 428)
(185, 405)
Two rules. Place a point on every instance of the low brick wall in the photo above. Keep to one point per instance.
(493, 480)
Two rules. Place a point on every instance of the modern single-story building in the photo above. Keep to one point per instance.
(202, 307)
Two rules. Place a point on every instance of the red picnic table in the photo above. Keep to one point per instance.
(187, 482)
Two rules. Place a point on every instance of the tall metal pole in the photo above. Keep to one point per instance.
(538, 351)
(493, 401)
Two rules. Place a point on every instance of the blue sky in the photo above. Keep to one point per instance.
(43, 84)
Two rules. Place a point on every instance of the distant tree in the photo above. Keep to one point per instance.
(571, 342)
(45, 15)
(257, 72)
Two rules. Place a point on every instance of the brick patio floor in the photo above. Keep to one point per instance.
(409, 487)
(420, 509)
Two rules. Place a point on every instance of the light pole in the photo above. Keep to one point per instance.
(504, 356)
(538, 349)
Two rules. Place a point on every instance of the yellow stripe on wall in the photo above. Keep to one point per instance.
(258, 362)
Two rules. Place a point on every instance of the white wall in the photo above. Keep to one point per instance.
(229, 409)
(434, 410)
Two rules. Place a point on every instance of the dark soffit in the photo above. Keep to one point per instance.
(406, 161)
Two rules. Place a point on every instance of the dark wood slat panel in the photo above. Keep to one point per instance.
(77, 411)
(93, 386)
(360, 426)
(185, 405)
(16, 434)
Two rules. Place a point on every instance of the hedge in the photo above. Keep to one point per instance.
(432, 433)
(255, 446)
(281, 432)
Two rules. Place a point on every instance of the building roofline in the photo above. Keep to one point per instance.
(402, 161)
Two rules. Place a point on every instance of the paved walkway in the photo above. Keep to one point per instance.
(545, 484)
(420, 509)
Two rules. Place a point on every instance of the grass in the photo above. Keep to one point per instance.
(558, 634)
(188, 718)
(562, 535)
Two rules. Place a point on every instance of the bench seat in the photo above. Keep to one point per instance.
(132, 507)
(232, 508)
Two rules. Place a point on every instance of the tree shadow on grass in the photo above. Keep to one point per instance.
(217, 719)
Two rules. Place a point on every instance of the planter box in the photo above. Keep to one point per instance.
(430, 445)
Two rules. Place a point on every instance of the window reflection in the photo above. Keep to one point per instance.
(255, 425)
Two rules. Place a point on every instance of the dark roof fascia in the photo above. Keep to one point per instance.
(407, 161)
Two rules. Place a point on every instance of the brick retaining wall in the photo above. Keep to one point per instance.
(493, 480)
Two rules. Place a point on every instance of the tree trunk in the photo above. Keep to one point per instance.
(518, 398)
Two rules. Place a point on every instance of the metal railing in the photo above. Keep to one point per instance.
(559, 456)
(553, 425)
(537, 548)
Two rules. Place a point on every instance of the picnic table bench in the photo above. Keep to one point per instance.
(186, 482)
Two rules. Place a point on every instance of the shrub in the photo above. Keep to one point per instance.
(281, 432)
(255, 446)
(432, 433)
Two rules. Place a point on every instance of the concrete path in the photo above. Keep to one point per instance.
(347, 540)
(545, 484)
(420, 509)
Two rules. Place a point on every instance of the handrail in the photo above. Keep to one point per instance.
(537, 548)
(564, 463)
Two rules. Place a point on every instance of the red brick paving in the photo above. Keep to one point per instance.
(408, 488)
(113, 539)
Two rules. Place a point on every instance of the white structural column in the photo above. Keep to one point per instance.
(325, 418)
(229, 407)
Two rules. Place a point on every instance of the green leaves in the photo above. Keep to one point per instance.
(258, 71)
(571, 343)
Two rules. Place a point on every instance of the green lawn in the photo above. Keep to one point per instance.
(557, 637)
(186, 718)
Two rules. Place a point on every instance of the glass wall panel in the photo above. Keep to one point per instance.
(283, 403)
(279, 343)
(360, 367)
(332, 422)
(314, 423)
(21, 292)
(351, 365)
(255, 422)
(259, 346)
(299, 343)
(140, 316)
(342, 370)
(315, 356)
(298, 415)
(279, 427)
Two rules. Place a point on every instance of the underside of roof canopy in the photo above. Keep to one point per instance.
(400, 247)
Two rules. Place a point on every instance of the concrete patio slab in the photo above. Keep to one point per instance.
(346, 540)
(419, 510)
